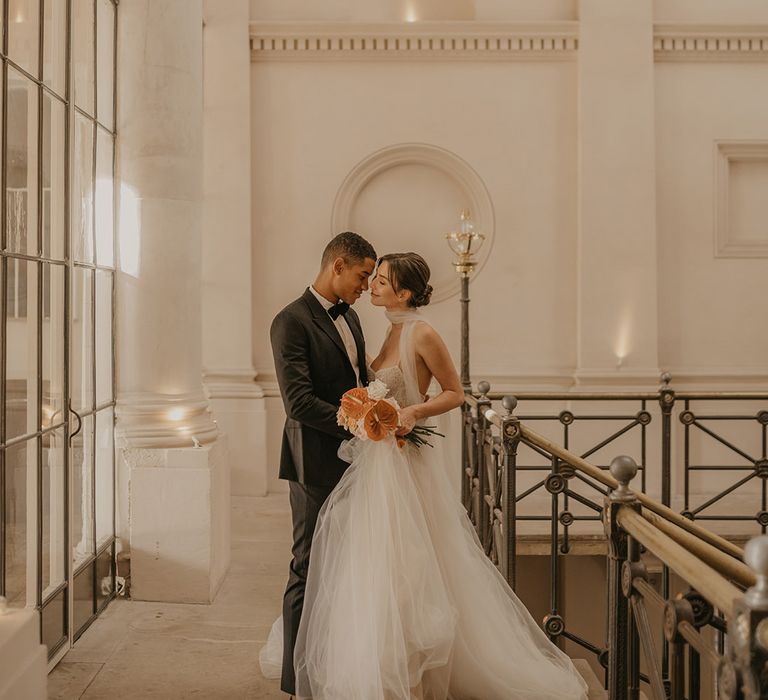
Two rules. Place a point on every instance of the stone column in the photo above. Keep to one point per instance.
(22, 658)
(617, 297)
(174, 478)
(237, 400)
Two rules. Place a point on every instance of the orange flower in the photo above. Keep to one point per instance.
(355, 403)
(380, 420)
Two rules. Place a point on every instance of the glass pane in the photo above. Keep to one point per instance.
(103, 337)
(54, 620)
(53, 345)
(21, 358)
(105, 577)
(84, 603)
(105, 67)
(81, 361)
(54, 513)
(20, 523)
(82, 191)
(83, 40)
(24, 34)
(21, 189)
(105, 480)
(82, 492)
(105, 245)
(55, 48)
(53, 177)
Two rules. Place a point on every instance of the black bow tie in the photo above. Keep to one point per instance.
(338, 310)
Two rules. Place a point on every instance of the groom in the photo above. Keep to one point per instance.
(319, 353)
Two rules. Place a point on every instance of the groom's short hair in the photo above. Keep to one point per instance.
(350, 246)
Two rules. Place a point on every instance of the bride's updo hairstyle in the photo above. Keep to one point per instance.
(409, 271)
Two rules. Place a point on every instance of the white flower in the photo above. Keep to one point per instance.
(377, 390)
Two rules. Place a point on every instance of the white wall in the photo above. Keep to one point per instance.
(403, 10)
(515, 119)
(310, 142)
(704, 11)
(712, 310)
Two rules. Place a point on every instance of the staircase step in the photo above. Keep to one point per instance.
(596, 690)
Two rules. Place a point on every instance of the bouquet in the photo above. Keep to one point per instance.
(369, 414)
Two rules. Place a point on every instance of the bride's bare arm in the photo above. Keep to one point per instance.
(432, 350)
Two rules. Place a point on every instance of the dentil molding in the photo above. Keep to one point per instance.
(284, 41)
(710, 42)
(504, 41)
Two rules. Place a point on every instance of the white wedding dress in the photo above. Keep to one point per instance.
(401, 602)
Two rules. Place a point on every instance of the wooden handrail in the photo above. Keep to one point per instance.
(723, 563)
(699, 575)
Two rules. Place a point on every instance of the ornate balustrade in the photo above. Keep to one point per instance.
(632, 521)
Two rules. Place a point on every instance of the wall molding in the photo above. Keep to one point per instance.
(727, 153)
(710, 42)
(555, 379)
(488, 41)
(285, 41)
(463, 175)
(231, 383)
(163, 421)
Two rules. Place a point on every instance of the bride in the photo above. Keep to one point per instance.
(401, 602)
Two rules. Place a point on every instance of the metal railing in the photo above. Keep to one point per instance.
(716, 579)
(709, 563)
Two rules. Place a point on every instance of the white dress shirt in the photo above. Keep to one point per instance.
(344, 331)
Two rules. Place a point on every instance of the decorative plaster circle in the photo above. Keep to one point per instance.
(463, 176)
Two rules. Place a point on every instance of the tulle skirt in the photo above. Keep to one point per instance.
(401, 602)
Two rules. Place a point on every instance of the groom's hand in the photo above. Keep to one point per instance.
(407, 421)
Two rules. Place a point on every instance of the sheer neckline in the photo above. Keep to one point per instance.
(402, 316)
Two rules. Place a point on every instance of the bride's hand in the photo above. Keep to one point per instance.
(407, 421)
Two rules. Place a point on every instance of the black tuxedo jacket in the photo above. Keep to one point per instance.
(313, 371)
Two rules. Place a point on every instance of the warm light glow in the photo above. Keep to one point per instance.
(19, 18)
(130, 232)
(176, 414)
(410, 13)
(104, 220)
(48, 414)
(623, 337)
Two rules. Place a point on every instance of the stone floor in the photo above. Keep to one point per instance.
(154, 651)
(161, 651)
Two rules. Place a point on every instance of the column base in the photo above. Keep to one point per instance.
(23, 672)
(179, 521)
(239, 409)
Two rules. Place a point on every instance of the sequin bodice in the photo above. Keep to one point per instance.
(394, 379)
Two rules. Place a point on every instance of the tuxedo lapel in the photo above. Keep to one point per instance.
(325, 323)
(357, 334)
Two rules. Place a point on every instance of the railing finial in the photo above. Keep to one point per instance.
(666, 378)
(509, 403)
(623, 469)
(483, 387)
(756, 558)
